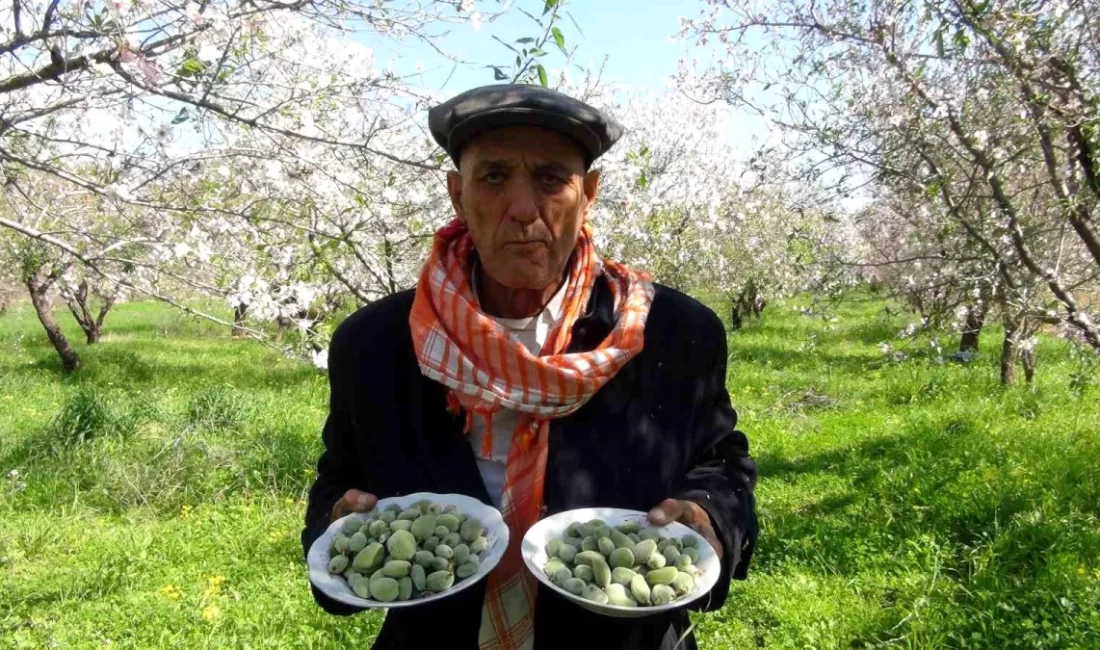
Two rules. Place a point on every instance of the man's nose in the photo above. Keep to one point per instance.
(523, 206)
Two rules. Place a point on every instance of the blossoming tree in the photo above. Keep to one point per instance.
(979, 117)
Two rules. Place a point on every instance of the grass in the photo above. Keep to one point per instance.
(155, 499)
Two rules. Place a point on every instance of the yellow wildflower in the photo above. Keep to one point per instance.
(211, 612)
(170, 592)
(213, 586)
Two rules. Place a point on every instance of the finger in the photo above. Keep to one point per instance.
(665, 512)
(693, 516)
(361, 501)
(697, 518)
(353, 501)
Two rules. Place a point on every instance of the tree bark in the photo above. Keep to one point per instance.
(758, 305)
(971, 335)
(1008, 361)
(751, 302)
(97, 326)
(239, 312)
(736, 321)
(972, 331)
(39, 289)
(78, 305)
(747, 303)
(1028, 357)
(1010, 349)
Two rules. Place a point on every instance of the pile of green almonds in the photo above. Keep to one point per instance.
(401, 554)
(622, 565)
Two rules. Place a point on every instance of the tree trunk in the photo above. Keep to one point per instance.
(758, 305)
(972, 331)
(752, 303)
(975, 318)
(39, 288)
(1010, 349)
(744, 305)
(1028, 357)
(1008, 362)
(97, 325)
(78, 305)
(736, 321)
(239, 312)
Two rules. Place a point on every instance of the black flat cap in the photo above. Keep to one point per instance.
(455, 122)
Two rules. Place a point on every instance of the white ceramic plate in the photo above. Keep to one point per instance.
(334, 586)
(553, 527)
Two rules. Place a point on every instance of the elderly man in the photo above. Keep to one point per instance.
(526, 371)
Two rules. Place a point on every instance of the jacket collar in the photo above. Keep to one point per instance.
(598, 319)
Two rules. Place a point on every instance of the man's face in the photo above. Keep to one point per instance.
(523, 194)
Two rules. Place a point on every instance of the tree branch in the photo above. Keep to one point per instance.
(56, 69)
(255, 123)
(44, 35)
(48, 18)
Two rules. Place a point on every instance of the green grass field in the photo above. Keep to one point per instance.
(155, 499)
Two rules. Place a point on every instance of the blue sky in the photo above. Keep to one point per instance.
(634, 41)
(637, 39)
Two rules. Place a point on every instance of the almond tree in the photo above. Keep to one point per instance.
(44, 205)
(679, 200)
(214, 135)
(932, 103)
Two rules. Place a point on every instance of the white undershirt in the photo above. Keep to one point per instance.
(532, 333)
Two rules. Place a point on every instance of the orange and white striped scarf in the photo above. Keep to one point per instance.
(488, 370)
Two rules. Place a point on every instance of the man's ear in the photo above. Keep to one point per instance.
(454, 189)
(591, 187)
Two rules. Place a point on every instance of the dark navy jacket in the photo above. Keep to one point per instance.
(663, 427)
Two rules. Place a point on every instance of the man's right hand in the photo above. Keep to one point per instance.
(353, 501)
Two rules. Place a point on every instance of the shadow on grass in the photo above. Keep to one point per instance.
(110, 575)
(873, 332)
(748, 353)
(946, 496)
(223, 443)
(283, 459)
(141, 364)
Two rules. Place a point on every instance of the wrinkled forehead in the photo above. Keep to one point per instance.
(524, 146)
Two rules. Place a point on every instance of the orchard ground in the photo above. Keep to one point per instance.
(155, 499)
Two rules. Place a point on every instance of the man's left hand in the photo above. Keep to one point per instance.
(688, 513)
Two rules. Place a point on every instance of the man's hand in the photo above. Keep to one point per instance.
(353, 501)
(688, 513)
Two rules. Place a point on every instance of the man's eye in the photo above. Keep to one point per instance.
(493, 177)
(550, 180)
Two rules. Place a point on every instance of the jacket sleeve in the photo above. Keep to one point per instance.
(722, 475)
(337, 469)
